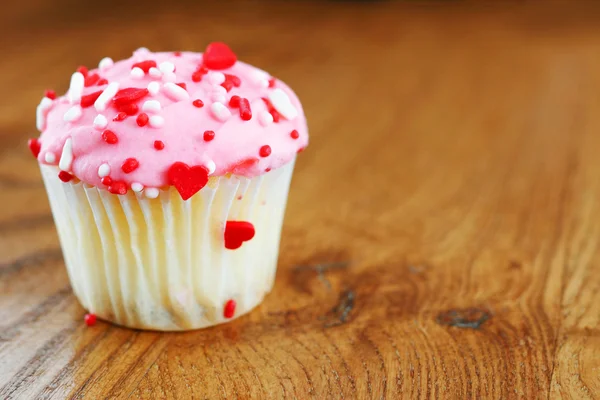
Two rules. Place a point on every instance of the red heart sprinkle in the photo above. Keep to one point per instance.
(218, 56)
(35, 146)
(129, 95)
(188, 181)
(145, 65)
(229, 309)
(236, 233)
(89, 99)
(91, 80)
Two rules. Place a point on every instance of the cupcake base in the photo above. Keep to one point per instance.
(161, 263)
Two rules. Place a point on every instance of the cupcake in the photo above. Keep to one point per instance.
(168, 175)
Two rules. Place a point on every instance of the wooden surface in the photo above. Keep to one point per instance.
(451, 191)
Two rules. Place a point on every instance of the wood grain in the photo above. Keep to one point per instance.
(442, 234)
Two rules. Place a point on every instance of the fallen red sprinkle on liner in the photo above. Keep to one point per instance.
(83, 70)
(294, 134)
(129, 95)
(106, 181)
(91, 80)
(102, 82)
(187, 180)
(34, 146)
(218, 56)
(245, 111)
(236, 233)
(90, 319)
(272, 83)
(234, 101)
(267, 169)
(265, 151)
(145, 65)
(159, 145)
(65, 176)
(118, 187)
(198, 103)
(229, 309)
(142, 119)
(120, 117)
(51, 94)
(130, 165)
(182, 85)
(109, 137)
(89, 99)
(209, 135)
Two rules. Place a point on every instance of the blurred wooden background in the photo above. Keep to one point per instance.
(451, 191)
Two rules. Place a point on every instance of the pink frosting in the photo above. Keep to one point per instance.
(235, 148)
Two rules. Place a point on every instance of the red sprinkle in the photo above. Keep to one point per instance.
(229, 309)
(51, 94)
(294, 134)
(118, 188)
(109, 137)
(197, 76)
(203, 70)
(233, 79)
(89, 99)
(209, 135)
(198, 103)
(120, 117)
(300, 150)
(142, 119)
(106, 181)
(272, 110)
(159, 145)
(267, 169)
(145, 65)
(227, 85)
(177, 53)
(65, 176)
(129, 95)
(265, 151)
(129, 109)
(236, 233)
(130, 165)
(35, 146)
(90, 319)
(102, 82)
(91, 80)
(218, 56)
(245, 111)
(182, 85)
(83, 70)
(272, 83)
(234, 101)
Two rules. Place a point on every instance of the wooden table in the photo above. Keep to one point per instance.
(442, 234)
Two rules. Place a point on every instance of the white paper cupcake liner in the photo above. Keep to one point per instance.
(162, 263)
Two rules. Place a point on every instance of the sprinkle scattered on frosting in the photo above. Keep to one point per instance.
(192, 115)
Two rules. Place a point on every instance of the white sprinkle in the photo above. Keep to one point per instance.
(265, 118)
(263, 83)
(211, 166)
(175, 92)
(106, 96)
(166, 67)
(103, 170)
(137, 187)
(154, 88)
(258, 76)
(220, 112)
(219, 98)
(100, 122)
(105, 63)
(50, 158)
(137, 73)
(281, 102)
(151, 193)
(169, 77)
(41, 112)
(155, 72)
(152, 106)
(141, 50)
(73, 114)
(66, 159)
(219, 89)
(156, 121)
(76, 87)
(216, 78)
